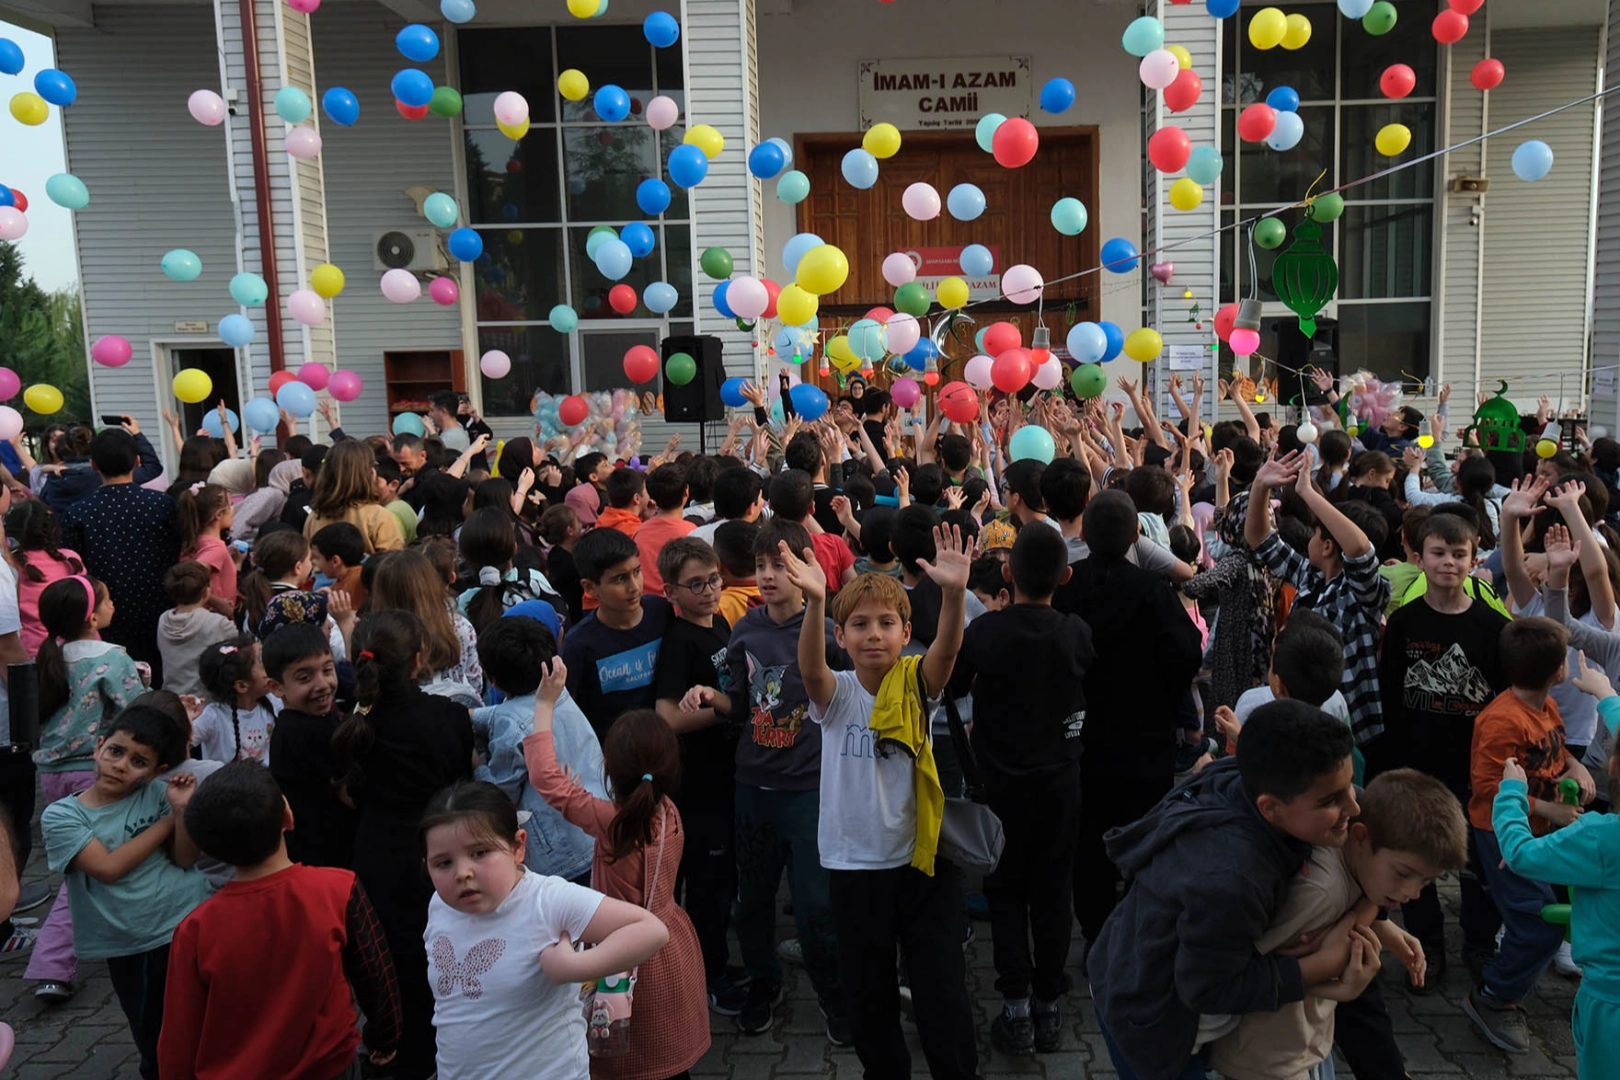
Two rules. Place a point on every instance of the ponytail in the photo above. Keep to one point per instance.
(386, 645)
(32, 525)
(1334, 448)
(642, 759)
(275, 555)
(1476, 476)
(65, 607)
(199, 505)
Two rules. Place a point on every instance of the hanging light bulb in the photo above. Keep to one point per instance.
(1040, 346)
(1245, 337)
(931, 371)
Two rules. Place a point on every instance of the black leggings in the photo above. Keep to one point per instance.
(139, 981)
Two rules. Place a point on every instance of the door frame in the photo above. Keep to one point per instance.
(164, 370)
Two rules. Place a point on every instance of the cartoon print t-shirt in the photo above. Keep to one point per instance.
(495, 1011)
(779, 747)
(216, 732)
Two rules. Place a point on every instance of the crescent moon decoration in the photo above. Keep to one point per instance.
(945, 327)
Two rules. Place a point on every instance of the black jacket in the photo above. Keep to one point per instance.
(1206, 874)
(79, 480)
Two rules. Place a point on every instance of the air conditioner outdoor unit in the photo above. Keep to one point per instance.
(416, 250)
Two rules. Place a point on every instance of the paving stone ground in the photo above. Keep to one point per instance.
(88, 1039)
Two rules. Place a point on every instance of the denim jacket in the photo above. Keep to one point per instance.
(555, 846)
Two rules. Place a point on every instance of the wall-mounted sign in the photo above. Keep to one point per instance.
(921, 95)
(191, 326)
(935, 264)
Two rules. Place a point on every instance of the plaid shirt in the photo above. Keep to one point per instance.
(1354, 603)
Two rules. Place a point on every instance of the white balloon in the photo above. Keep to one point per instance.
(1158, 69)
(747, 297)
(1287, 132)
(898, 269)
(1049, 376)
(903, 332)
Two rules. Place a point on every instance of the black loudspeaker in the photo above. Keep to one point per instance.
(699, 400)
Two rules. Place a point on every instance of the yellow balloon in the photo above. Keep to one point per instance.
(583, 9)
(192, 385)
(1267, 28)
(706, 139)
(573, 85)
(822, 270)
(1186, 194)
(1183, 57)
(1545, 448)
(29, 108)
(1298, 32)
(514, 237)
(952, 293)
(1143, 344)
(795, 307)
(514, 131)
(43, 398)
(1392, 139)
(847, 364)
(326, 280)
(837, 348)
(881, 141)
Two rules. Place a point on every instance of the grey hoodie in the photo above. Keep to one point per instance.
(1206, 874)
(182, 636)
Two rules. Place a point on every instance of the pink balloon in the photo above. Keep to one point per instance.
(903, 333)
(898, 269)
(1022, 284)
(10, 384)
(905, 392)
(977, 372)
(401, 286)
(303, 142)
(511, 108)
(110, 351)
(1049, 376)
(748, 297)
(307, 307)
(306, 6)
(495, 364)
(662, 112)
(444, 291)
(206, 107)
(1158, 69)
(920, 202)
(11, 423)
(315, 375)
(344, 385)
(1244, 342)
(13, 223)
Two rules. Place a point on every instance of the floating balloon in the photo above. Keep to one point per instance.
(1144, 344)
(109, 351)
(1450, 26)
(1283, 99)
(190, 385)
(795, 306)
(716, 262)
(1022, 284)
(412, 86)
(765, 160)
(902, 332)
(866, 339)
(1116, 340)
(1015, 143)
(327, 281)
(400, 286)
(1221, 9)
(860, 169)
(661, 29)
(881, 141)
(1119, 255)
(303, 142)
(958, 402)
(1169, 148)
(1244, 341)
(13, 223)
(1392, 139)
(1032, 443)
(823, 270)
(1298, 32)
(417, 42)
(465, 244)
(1048, 375)
(793, 187)
(510, 107)
(441, 210)
(1186, 194)
(56, 87)
(920, 202)
(1057, 96)
(1327, 207)
(1267, 28)
(292, 105)
(660, 297)
(563, 319)
(731, 394)
(809, 401)
(984, 132)
(612, 104)
(68, 191)
(12, 60)
(747, 297)
(45, 399)
(898, 269)
(444, 291)
(314, 375)
(965, 202)
(719, 298)
(1355, 9)
(1205, 164)
(652, 196)
(1002, 337)
(344, 385)
(182, 265)
(1012, 370)
(1158, 69)
(952, 293)
(681, 368)
(1397, 81)
(614, 259)
(1142, 36)
(1069, 216)
(687, 166)
(236, 330)
(573, 85)
(978, 371)
(1225, 317)
(1532, 160)
(261, 414)
(297, 398)
(1087, 343)
(705, 138)
(1287, 132)
(639, 238)
(661, 112)
(29, 108)
(1088, 381)
(1256, 122)
(1184, 93)
(206, 107)
(1162, 272)
(1487, 74)
(408, 423)
(340, 106)
(976, 260)
(1380, 18)
(641, 364)
(583, 9)
(912, 299)
(906, 392)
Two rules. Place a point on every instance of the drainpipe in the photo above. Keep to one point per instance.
(261, 183)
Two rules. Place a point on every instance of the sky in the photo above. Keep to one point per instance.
(31, 155)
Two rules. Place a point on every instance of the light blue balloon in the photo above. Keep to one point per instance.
(441, 210)
(1069, 216)
(985, 130)
(296, 398)
(787, 150)
(406, 423)
(293, 105)
(182, 265)
(860, 169)
(614, 258)
(978, 340)
(660, 296)
(976, 260)
(784, 342)
(67, 190)
(249, 290)
(1087, 342)
(796, 248)
(1205, 164)
(1143, 36)
(1355, 9)
(593, 243)
(261, 414)
(236, 330)
(210, 420)
(458, 11)
(1032, 442)
(792, 187)
(639, 238)
(866, 339)
(1532, 160)
(1288, 131)
(563, 319)
(965, 202)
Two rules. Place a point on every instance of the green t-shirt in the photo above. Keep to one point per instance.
(406, 517)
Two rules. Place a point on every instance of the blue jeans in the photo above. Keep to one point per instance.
(1530, 943)
(777, 830)
(1192, 1070)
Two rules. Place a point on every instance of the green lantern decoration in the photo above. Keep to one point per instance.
(1496, 423)
(1305, 277)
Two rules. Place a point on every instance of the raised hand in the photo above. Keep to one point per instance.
(1223, 464)
(1323, 379)
(953, 497)
(1566, 499)
(554, 681)
(1278, 471)
(753, 393)
(806, 573)
(1524, 499)
(1591, 680)
(1412, 457)
(1445, 394)
(1223, 389)
(952, 558)
(181, 787)
(1561, 554)
(1126, 385)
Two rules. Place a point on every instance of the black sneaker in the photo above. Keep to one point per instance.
(839, 1033)
(1013, 1035)
(726, 998)
(1499, 1021)
(1048, 1028)
(759, 1008)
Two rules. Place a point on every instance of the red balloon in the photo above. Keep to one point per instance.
(1256, 122)
(622, 298)
(1002, 337)
(772, 291)
(1183, 94)
(640, 366)
(19, 200)
(959, 403)
(410, 112)
(1169, 148)
(1012, 370)
(572, 409)
(1397, 81)
(1224, 318)
(1465, 7)
(280, 379)
(1450, 26)
(880, 314)
(1015, 143)
(1487, 74)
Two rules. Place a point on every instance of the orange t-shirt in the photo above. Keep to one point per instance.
(1508, 728)
(626, 521)
(651, 537)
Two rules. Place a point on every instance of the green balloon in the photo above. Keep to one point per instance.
(912, 299)
(1270, 233)
(716, 263)
(1327, 208)
(680, 369)
(1088, 380)
(446, 102)
(1380, 19)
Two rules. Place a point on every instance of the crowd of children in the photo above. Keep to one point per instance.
(398, 768)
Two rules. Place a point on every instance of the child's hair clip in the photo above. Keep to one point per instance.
(226, 650)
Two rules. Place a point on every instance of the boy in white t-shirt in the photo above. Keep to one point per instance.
(881, 804)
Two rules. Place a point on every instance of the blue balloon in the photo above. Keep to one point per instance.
(660, 296)
(1116, 340)
(458, 11)
(860, 169)
(563, 319)
(1205, 164)
(785, 341)
(765, 160)
(406, 423)
(731, 392)
(1221, 9)
(412, 87)
(1119, 255)
(917, 359)
(796, 248)
(1284, 99)
(1057, 95)
(782, 145)
(639, 239)
(417, 42)
(965, 202)
(261, 414)
(11, 57)
(296, 398)
(236, 330)
(1355, 9)
(720, 304)
(809, 401)
(1032, 442)
(56, 87)
(652, 195)
(613, 258)
(1532, 160)
(210, 422)
(687, 166)
(661, 29)
(1088, 343)
(465, 244)
(976, 260)
(341, 106)
(611, 103)
(6, 197)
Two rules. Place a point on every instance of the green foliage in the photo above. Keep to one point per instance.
(42, 340)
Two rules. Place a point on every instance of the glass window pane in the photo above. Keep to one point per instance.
(1229, 142)
(539, 362)
(520, 274)
(603, 166)
(602, 354)
(671, 78)
(678, 267)
(618, 55)
(1364, 57)
(509, 181)
(1386, 339)
(1271, 177)
(506, 59)
(1387, 250)
(1229, 64)
(1360, 125)
(591, 288)
(1309, 71)
(1228, 269)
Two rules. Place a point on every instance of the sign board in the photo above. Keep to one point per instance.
(191, 326)
(924, 95)
(1187, 357)
(935, 264)
(1604, 381)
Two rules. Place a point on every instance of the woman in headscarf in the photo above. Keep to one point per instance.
(272, 479)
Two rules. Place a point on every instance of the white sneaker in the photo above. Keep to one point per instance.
(1565, 964)
(790, 950)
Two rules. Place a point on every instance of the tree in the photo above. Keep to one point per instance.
(42, 339)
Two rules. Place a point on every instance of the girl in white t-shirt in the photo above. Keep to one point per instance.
(500, 942)
(236, 723)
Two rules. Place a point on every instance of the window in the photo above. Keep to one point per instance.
(1384, 241)
(535, 201)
